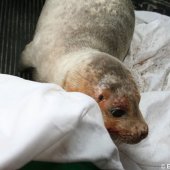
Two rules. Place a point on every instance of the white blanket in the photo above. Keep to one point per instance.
(41, 121)
(149, 59)
(149, 56)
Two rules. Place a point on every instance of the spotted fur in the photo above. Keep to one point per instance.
(79, 44)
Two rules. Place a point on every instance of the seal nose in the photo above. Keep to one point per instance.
(140, 131)
(144, 131)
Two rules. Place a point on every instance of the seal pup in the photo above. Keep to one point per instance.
(79, 45)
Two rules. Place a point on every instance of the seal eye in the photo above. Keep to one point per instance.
(100, 98)
(117, 112)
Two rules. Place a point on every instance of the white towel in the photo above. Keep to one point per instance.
(149, 56)
(40, 121)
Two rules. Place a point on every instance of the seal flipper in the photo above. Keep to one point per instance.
(25, 62)
(25, 66)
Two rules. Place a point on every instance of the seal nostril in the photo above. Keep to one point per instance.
(144, 134)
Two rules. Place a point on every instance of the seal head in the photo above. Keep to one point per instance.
(111, 84)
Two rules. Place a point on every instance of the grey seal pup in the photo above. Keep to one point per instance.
(79, 45)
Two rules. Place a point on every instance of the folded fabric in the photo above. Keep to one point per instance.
(149, 54)
(40, 121)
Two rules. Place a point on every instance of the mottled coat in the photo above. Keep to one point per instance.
(78, 45)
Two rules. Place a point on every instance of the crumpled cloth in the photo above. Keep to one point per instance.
(149, 60)
(40, 121)
(149, 54)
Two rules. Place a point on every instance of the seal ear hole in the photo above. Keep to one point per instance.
(100, 97)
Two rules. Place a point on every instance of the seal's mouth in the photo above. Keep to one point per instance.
(127, 137)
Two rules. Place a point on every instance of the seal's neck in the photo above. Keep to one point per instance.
(70, 65)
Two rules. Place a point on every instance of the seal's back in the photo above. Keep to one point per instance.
(105, 25)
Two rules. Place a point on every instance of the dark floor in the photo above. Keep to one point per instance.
(161, 6)
(17, 24)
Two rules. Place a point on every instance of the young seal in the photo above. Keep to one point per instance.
(79, 45)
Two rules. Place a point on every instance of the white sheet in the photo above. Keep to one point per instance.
(149, 56)
(149, 60)
(43, 122)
